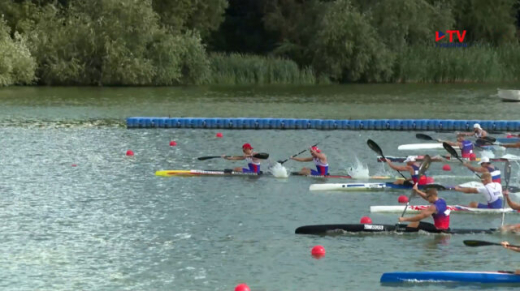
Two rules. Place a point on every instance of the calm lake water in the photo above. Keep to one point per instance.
(80, 215)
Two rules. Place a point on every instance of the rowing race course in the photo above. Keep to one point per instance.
(78, 214)
(212, 230)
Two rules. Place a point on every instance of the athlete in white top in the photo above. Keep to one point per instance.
(491, 191)
(478, 132)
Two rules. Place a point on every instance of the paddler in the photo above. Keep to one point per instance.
(512, 145)
(319, 159)
(486, 167)
(466, 146)
(514, 206)
(478, 132)
(252, 162)
(491, 190)
(411, 167)
(438, 210)
(506, 245)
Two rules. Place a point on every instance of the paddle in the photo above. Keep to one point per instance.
(373, 145)
(481, 243)
(454, 153)
(507, 176)
(281, 162)
(261, 156)
(423, 136)
(424, 166)
(487, 140)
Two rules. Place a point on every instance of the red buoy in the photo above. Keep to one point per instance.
(318, 251)
(402, 199)
(446, 168)
(129, 153)
(242, 287)
(173, 143)
(365, 220)
(219, 134)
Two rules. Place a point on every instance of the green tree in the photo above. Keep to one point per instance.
(17, 66)
(348, 49)
(181, 15)
(486, 21)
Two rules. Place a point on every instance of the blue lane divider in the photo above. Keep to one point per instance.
(322, 124)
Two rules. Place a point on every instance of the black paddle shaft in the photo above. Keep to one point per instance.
(281, 162)
(375, 147)
(481, 243)
(454, 153)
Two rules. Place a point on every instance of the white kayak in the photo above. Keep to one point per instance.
(439, 146)
(378, 186)
(421, 146)
(453, 208)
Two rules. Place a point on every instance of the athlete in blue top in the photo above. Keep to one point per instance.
(411, 167)
(486, 167)
(252, 162)
(466, 146)
(438, 210)
(319, 159)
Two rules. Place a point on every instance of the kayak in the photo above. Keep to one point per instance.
(439, 146)
(453, 208)
(229, 172)
(509, 140)
(382, 186)
(325, 229)
(187, 173)
(451, 276)
(366, 186)
(449, 159)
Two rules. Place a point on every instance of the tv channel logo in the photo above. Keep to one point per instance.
(460, 35)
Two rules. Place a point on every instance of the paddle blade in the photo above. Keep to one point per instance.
(507, 172)
(479, 243)
(208, 157)
(450, 150)
(373, 146)
(261, 156)
(425, 165)
(423, 136)
(435, 186)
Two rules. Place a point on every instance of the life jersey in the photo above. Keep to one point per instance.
(493, 192)
(253, 167)
(323, 169)
(441, 219)
(495, 174)
(479, 134)
(467, 148)
(415, 176)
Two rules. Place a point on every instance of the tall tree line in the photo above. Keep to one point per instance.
(170, 42)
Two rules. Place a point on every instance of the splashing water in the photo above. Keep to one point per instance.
(278, 170)
(488, 154)
(358, 171)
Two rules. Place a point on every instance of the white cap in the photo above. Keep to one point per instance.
(409, 159)
(476, 125)
(483, 160)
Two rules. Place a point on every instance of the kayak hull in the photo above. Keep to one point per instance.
(382, 186)
(327, 229)
(364, 186)
(193, 173)
(451, 276)
(453, 208)
(439, 146)
(447, 159)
